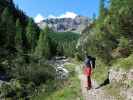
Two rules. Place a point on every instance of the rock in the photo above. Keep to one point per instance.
(77, 24)
(62, 73)
(123, 77)
(130, 75)
(117, 75)
(128, 93)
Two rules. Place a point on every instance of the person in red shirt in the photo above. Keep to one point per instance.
(87, 70)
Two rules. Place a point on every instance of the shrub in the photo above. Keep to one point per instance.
(78, 56)
(124, 63)
(100, 73)
(37, 71)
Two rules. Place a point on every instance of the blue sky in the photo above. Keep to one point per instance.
(58, 7)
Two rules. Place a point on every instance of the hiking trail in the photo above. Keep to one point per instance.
(95, 93)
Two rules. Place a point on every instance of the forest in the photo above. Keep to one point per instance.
(25, 48)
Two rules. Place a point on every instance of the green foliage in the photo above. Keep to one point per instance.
(18, 37)
(7, 33)
(16, 90)
(114, 90)
(124, 63)
(26, 77)
(32, 34)
(37, 71)
(120, 17)
(111, 30)
(77, 56)
(23, 71)
(63, 43)
(123, 42)
(100, 73)
(67, 90)
(43, 48)
(102, 9)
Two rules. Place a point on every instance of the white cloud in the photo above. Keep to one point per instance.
(68, 15)
(65, 15)
(38, 18)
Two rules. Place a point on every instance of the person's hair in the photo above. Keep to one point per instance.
(89, 57)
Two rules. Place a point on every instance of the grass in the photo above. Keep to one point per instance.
(69, 90)
(113, 89)
(124, 63)
(100, 72)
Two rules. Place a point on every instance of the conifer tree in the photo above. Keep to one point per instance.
(43, 48)
(18, 37)
(102, 10)
(31, 34)
(7, 29)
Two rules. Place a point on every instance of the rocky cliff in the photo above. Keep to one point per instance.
(77, 24)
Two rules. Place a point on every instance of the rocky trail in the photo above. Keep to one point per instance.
(95, 93)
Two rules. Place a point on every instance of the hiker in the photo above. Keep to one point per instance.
(87, 70)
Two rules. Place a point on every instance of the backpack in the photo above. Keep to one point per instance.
(88, 62)
(93, 61)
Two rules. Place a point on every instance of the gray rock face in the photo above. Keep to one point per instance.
(117, 75)
(66, 24)
(61, 72)
(120, 75)
(124, 77)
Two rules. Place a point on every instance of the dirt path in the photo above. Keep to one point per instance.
(93, 94)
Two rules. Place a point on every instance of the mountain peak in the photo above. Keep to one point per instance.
(62, 24)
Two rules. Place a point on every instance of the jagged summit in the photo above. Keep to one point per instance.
(76, 24)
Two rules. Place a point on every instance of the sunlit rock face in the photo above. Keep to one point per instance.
(76, 24)
(125, 78)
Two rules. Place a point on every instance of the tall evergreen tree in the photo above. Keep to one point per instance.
(7, 29)
(119, 12)
(43, 48)
(102, 10)
(18, 37)
(31, 34)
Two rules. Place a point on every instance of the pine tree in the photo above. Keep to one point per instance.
(43, 48)
(31, 34)
(7, 29)
(120, 11)
(18, 37)
(102, 10)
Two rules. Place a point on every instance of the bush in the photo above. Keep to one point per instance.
(78, 57)
(26, 77)
(37, 71)
(100, 73)
(16, 90)
(124, 63)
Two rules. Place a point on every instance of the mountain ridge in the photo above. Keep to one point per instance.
(76, 24)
